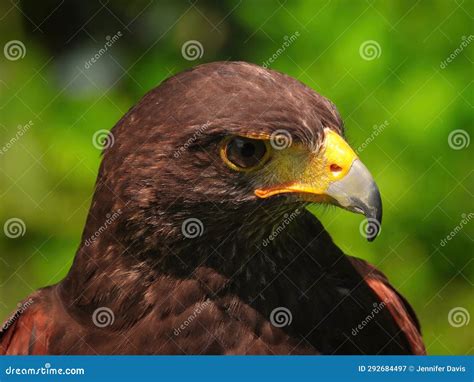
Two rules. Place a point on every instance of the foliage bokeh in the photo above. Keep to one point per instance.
(47, 176)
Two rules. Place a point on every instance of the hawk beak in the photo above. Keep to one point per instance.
(336, 176)
(357, 192)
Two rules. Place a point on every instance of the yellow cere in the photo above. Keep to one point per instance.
(337, 153)
(298, 170)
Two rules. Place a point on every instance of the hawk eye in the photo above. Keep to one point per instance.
(244, 154)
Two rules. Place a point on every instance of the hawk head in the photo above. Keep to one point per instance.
(231, 144)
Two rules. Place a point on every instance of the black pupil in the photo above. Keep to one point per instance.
(245, 152)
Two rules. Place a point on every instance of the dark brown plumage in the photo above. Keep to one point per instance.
(153, 279)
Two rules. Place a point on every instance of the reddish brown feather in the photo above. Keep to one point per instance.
(396, 304)
(28, 334)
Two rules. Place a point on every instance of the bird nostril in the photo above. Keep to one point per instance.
(335, 169)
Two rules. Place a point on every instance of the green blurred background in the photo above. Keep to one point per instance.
(382, 63)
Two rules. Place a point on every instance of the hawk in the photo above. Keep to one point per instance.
(198, 240)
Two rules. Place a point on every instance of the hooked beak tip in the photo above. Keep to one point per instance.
(374, 214)
(358, 192)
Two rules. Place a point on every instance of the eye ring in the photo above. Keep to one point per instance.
(225, 148)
